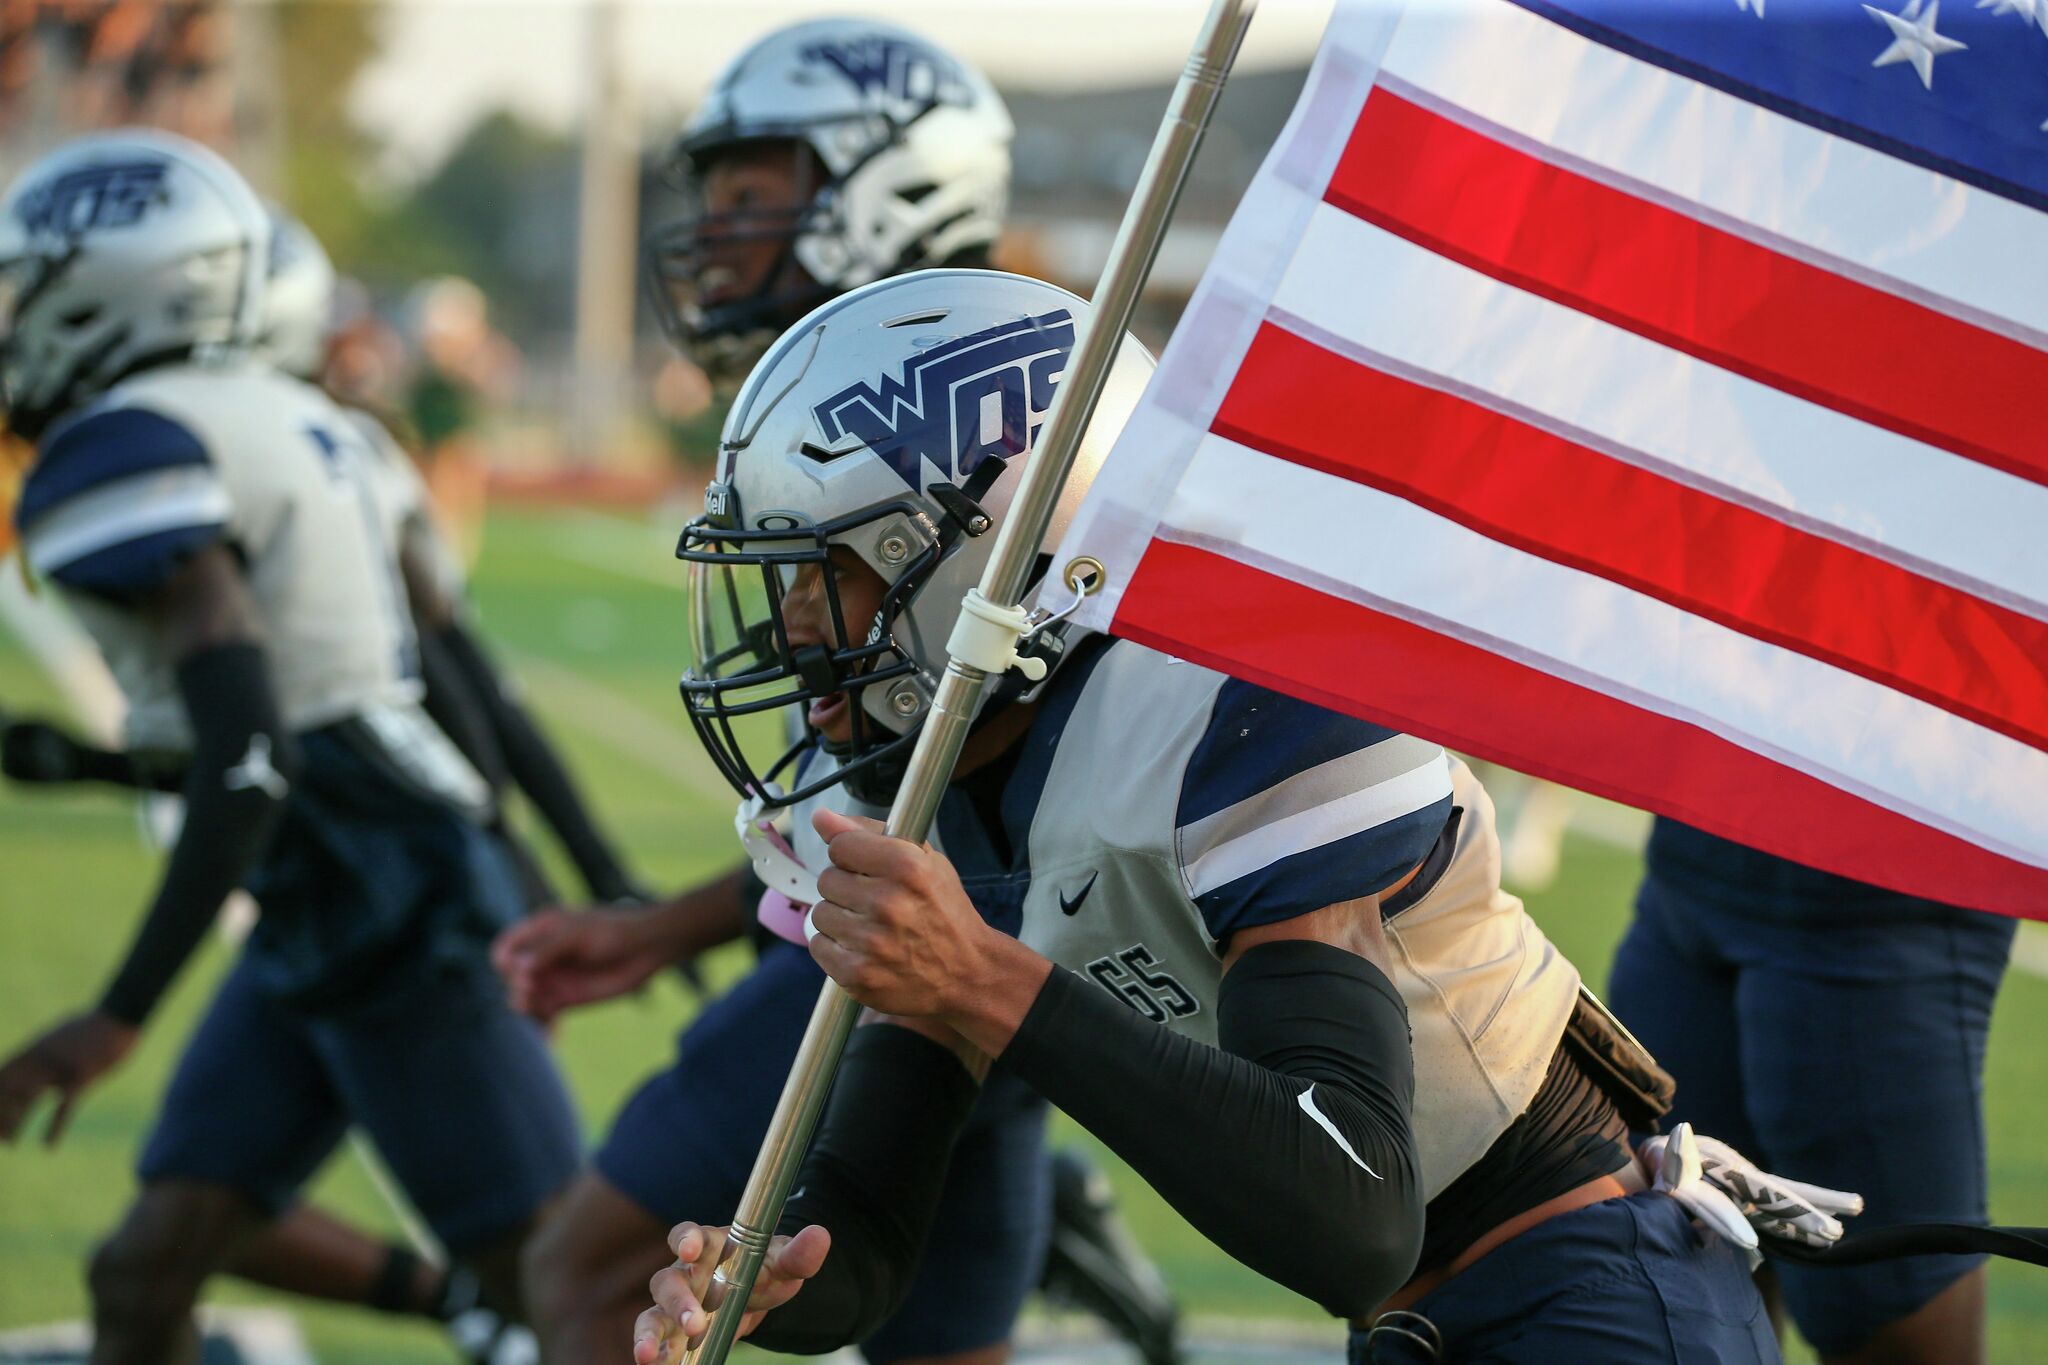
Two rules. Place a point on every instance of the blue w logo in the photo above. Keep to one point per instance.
(904, 71)
(959, 403)
(78, 201)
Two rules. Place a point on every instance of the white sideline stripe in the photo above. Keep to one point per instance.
(1319, 825)
(1934, 235)
(1951, 518)
(1933, 766)
(1322, 1121)
(127, 509)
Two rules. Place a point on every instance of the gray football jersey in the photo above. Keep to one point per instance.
(1163, 805)
(187, 455)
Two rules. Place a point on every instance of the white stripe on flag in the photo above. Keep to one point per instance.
(1933, 766)
(1952, 519)
(1738, 161)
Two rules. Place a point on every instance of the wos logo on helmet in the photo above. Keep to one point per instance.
(867, 152)
(119, 250)
(957, 404)
(110, 196)
(909, 71)
(880, 440)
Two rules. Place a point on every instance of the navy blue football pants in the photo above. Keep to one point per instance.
(1836, 1040)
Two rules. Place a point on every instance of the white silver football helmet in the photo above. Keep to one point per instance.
(914, 151)
(298, 297)
(116, 250)
(896, 422)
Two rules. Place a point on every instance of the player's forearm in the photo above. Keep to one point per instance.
(873, 1180)
(538, 771)
(243, 764)
(1306, 1170)
(705, 916)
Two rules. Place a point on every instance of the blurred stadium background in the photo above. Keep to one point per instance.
(481, 171)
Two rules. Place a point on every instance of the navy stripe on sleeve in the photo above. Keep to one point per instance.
(1357, 865)
(98, 449)
(1258, 738)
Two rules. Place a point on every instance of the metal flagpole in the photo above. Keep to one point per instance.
(984, 643)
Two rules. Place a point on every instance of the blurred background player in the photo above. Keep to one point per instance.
(827, 155)
(466, 693)
(1834, 1031)
(203, 516)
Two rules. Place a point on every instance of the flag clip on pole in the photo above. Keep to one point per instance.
(985, 641)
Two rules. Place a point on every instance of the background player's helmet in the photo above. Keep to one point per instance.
(298, 298)
(895, 421)
(120, 250)
(912, 155)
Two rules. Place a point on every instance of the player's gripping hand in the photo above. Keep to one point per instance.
(685, 1291)
(1725, 1188)
(893, 925)
(66, 1059)
(559, 959)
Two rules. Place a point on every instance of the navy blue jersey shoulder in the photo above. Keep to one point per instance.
(1268, 826)
(99, 447)
(129, 549)
(1257, 738)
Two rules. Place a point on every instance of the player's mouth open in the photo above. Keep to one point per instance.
(829, 713)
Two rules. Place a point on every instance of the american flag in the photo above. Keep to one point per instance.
(1650, 396)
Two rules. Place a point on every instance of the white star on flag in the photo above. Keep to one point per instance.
(2027, 9)
(1914, 39)
(1758, 5)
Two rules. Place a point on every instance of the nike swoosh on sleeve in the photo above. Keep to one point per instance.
(1308, 1106)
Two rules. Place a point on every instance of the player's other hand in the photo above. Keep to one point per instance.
(894, 927)
(1727, 1191)
(686, 1292)
(66, 1059)
(559, 959)
(37, 751)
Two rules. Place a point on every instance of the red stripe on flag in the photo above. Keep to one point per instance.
(1348, 657)
(1709, 293)
(1548, 496)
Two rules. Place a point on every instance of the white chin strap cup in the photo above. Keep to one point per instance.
(775, 862)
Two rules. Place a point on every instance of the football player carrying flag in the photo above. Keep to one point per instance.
(1257, 946)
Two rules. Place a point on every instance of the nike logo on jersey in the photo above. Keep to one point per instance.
(255, 773)
(1071, 906)
(1308, 1106)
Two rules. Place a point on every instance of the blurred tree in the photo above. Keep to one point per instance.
(499, 210)
(322, 46)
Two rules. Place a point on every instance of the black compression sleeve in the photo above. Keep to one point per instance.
(1289, 1145)
(455, 705)
(537, 770)
(872, 1179)
(243, 764)
(37, 751)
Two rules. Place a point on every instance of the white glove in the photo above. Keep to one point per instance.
(1724, 1189)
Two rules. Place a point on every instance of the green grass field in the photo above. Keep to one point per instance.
(587, 610)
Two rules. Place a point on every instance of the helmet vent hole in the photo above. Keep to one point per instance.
(80, 317)
(917, 194)
(916, 319)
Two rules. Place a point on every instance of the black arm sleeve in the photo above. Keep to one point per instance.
(535, 768)
(1289, 1146)
(872, 1179)
(453, 702)
(243, 764)
(37, 751)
